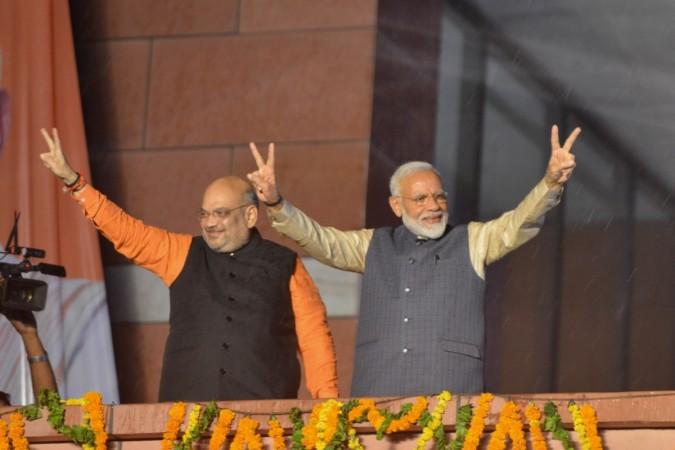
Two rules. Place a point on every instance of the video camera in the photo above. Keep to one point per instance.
(16, 292)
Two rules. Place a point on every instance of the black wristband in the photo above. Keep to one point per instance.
(272, 205)
(69, 185)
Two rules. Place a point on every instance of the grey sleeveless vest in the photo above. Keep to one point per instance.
(421, 319)
(232, 329)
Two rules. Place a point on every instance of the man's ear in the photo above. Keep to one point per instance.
(251, 216)
(394, 203)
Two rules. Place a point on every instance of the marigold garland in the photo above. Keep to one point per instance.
(516, 432)
(176, 417)
(94, 413)
(16, 431)
(191, 429)
(498, 438)
(328, 422)
(436, 420)
(354, 443)
(4, 439)
(411, 417)
(579, 426)
(276, 432)
(376, 419)
(359, 412)
(533, 415)
(590, 420)
(329, 426)
(247, 434)
(309, 431)
(477, 426)
(221, 429)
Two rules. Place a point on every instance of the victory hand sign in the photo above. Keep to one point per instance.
(263, 179)
(562, 162)
(54, 159)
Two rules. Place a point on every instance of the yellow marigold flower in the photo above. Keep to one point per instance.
(429, 430)
(193, 421)
(353, 443)
(327, 424)
(579, 426)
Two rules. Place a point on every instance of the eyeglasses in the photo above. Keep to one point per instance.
(440, 198)
(218, 213)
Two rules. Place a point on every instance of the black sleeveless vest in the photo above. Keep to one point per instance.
(232, 329)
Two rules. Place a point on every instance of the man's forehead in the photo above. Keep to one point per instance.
(221, 197)
(422, 181)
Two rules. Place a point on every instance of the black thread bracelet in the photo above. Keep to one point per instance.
(272, 205)
(69, 185)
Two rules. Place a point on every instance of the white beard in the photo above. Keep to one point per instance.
(430, 232)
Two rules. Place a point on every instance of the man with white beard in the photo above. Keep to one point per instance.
(421, 316)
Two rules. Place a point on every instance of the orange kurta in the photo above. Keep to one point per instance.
(164, 253)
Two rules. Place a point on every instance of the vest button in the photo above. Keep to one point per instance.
(411, 260)
(232, 275)
(230, 299)
(228, 318)
(223, 371)
(226, 345)
(405, 350)
(405, 319)
(406, 289)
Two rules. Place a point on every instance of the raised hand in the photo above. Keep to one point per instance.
(23, 321)
(562, 162)
(54, 159)
(263, 179)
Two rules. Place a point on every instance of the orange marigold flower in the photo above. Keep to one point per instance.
(533, 415)
(176, 417)
(477, 426)
(4, 439)
(247, 434)
(276, 432)
(221, 429)
(16, 430)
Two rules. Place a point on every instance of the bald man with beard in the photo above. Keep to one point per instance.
(241, 306)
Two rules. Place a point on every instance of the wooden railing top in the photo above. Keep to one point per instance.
(615, 410)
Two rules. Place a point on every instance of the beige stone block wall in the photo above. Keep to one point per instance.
(172, 93)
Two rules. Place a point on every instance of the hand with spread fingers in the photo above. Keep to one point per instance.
(562, 162)
(54, 159)
(263, 179)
